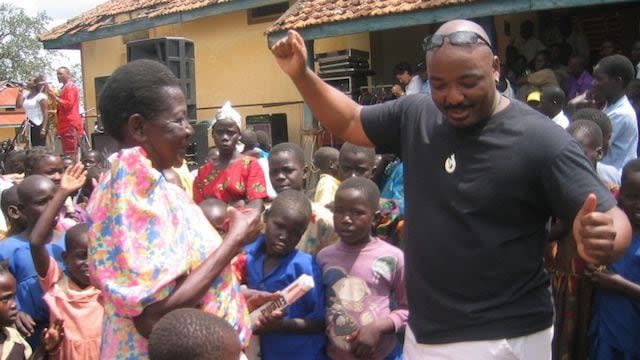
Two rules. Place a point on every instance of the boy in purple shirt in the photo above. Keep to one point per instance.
(360, 273)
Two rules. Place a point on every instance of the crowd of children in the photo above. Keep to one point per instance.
(75, 284)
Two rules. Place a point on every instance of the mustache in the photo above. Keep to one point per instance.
(461, 106)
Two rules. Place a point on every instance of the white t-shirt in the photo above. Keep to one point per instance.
(414, 86)
(32, 107)
(561, 119)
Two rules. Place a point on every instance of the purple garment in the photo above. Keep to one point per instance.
(359, 282)
(578, 86)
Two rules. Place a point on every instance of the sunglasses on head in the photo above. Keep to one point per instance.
(458, 38)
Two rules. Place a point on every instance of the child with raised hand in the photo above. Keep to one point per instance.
(287, 171)
(615, 324)
(325, 160)
(360, 274)
(273, 263)
(34, 193)
(70, 296)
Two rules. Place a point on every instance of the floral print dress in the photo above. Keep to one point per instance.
(144, 234)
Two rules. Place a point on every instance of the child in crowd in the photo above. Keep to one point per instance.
(361, 273)
(264, 141)
(249, 139)
(92, 158)
(69, 295)
(616, 311)
(572, 292)
(359, 161)
(41, 161)
(325, 160)
(195, 335)
(288, 171)
(12, 343)
(610, 174)
(251, 148)
(14, 162)
(10, 205)
(272, 264)
(216, 213)
(93, 176)
(67, 161)
(34, 193)
(355, 160)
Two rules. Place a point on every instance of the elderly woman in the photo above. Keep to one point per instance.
(34, 101)
(233, 178)
(151, 250)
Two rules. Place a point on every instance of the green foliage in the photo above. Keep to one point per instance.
(21, 53)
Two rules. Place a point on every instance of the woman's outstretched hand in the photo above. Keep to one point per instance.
(244, 225)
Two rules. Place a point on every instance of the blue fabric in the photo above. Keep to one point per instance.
(616, 318)
(624, 136)
(17, 251)
(426, 87)
(263, 154)
(310, 306)
(394, 187)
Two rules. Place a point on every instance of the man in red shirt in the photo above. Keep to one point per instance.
(69, 124)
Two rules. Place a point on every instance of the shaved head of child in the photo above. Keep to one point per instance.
(193, 334)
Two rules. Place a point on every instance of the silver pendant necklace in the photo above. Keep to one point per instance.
(450, 164)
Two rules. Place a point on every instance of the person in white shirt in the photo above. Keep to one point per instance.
(552, 100)
(529, 45)
(404, 74)
(34, 101)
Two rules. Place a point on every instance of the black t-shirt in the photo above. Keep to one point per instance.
(475, 237)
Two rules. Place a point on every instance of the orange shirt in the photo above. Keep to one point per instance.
(79, 309)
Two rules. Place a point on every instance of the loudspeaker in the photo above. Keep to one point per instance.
(178, 54)
(275, 125)
(104, 143)
(199, 149)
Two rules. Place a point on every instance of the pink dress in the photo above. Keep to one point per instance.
(79, 309)
(145, 233)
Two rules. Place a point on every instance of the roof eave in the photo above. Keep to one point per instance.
(73, 41)
(434, 15)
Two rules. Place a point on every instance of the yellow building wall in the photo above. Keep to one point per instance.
(232, 62)
(7, 133)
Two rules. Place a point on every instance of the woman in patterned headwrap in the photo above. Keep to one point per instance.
(234, 178)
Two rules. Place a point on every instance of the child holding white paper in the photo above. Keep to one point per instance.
(272, 264)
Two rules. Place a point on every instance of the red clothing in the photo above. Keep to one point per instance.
(69, 109)
(241, 180)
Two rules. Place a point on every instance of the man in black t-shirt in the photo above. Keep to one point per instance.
(483, 174)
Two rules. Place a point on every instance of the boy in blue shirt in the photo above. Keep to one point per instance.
(34, 193)
(272, 264)
(615, 324)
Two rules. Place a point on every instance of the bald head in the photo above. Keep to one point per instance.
(462, 25)
(32, 186)
(464, 62)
